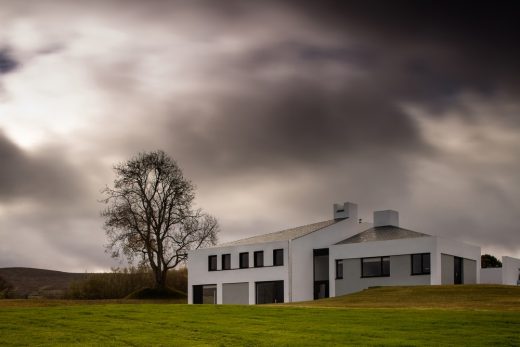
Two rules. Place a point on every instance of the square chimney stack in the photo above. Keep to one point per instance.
(386, 218)
(345, 210)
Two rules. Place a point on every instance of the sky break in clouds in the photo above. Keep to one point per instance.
(274, 110)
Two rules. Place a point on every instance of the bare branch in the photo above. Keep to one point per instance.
(149, 214)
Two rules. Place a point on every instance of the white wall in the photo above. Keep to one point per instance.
(400, 275)
(510, 270)
(491, 275)
(198, 268)
(302, 254)
(377, 249)
(454, 248)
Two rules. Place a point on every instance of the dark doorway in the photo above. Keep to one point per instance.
(321, 289)
(197, 294)
(457, 261)
(321, 273)
(270, 292)
(205, 294)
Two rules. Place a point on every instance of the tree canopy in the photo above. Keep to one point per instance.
(149, 214)
(488, 260)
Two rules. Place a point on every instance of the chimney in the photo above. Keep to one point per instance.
(346, 210)
(386, 218)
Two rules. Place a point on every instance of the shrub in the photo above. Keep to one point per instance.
(120, 283)
(488, 260)
(5, 288)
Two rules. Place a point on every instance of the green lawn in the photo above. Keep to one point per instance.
(468, 297)
(145, 324)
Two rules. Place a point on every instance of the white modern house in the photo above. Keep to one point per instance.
(326, 259)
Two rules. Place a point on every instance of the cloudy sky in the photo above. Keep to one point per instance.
(274, 110)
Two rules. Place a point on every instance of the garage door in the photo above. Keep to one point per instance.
(235, 293)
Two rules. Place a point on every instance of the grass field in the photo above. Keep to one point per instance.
(327, 322)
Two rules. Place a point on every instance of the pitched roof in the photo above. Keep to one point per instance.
(384, 233)
(284, 235)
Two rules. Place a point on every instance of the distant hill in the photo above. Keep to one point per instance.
(29, 282)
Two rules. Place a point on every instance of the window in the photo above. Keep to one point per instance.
(278, 257)
(226, 261)
(269, 292)
(259, 258)
(244, 260)
(375, 267)
(212, 263)
(205, 294)
(339, 269)
(421, 264)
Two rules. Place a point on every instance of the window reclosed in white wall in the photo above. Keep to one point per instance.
(259, 258)
(244, 260)
(278, 257)
(375, 267)
(421, 264)
(226, 261)
(212, 263)
(339, 269)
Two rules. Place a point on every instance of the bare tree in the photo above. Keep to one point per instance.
(149, 215)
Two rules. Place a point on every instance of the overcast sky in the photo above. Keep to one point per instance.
(275, 110)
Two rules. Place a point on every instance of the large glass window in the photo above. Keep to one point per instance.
(421, 264)
(205, 294)
(226, 261)
(339, 269)
(278, 257)
(209, 294)
(244, 260)
(212, 263)
(259, 258)
(375, 267)
(269, 292)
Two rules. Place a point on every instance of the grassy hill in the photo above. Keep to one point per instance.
(393, 316)
(38, 282)
(480, 297)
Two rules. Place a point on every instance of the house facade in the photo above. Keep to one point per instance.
(326, 259)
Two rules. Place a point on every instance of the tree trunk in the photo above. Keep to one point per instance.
(160, 279)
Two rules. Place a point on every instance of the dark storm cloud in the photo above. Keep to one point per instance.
(275, 110)
(297, 123)
(45, 177)
(478, 39)
(7, 61)
(427, 53)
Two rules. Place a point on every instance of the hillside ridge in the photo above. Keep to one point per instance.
(27, 281)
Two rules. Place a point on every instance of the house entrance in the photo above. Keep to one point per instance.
(457, 262)
(321, 273)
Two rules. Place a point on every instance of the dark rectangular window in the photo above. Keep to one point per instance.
(375, 267)
(226, 261)
(269, 292)
(339, 269)
(205, 294)
(421, 264)
(259, 258)
(212, 263)
(244, 260)
(278, 257)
